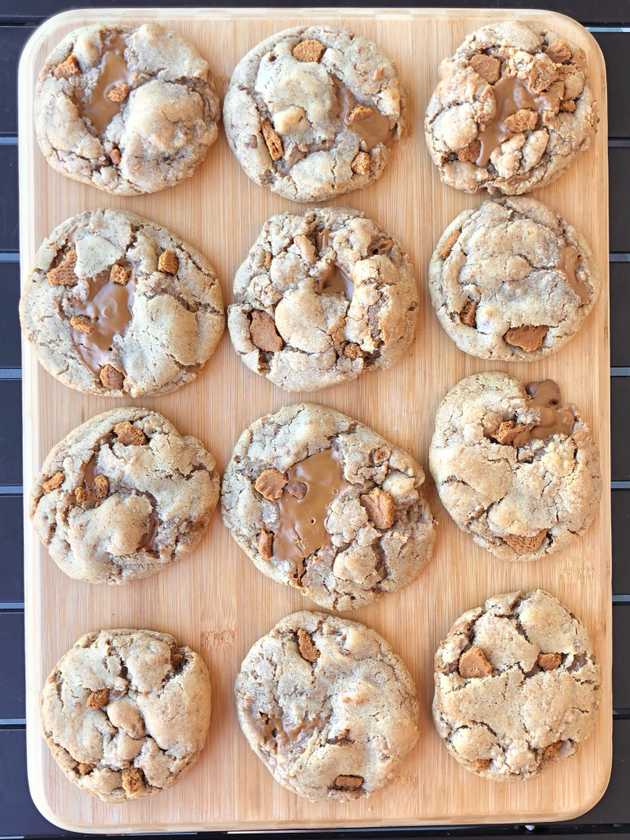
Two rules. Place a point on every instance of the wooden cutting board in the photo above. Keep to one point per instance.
(215, 600)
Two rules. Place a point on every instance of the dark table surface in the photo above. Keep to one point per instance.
(609, 20)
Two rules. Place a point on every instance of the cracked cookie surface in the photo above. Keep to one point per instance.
(511, 280)
(511, 111)
(312, 112)
(321, 298)
(322, 503)
(516, 686)
(122, 496)
(514, 467)
(327, 706)
(128, 110)
(124, 712)
(116, 305)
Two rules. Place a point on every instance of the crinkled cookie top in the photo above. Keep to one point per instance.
(511, 111)
(118, 306)
(514, 466)
(123, 495)
(127, 109)
(516, 686)
(124, 712)
(327, 706)
(324, 504)
(312, 112)
(321, 298)
(511, 280)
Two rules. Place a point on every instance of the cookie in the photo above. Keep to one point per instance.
(511, 111)
(313, 112)
(514, 466)
(511, 280)
(124, 712)
(126, 109)
(123, 495)
(516, 686)
(322, 503)
(321, 298)
(118, 306)
(327, 706)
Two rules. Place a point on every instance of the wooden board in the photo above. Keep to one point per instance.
(215, 600)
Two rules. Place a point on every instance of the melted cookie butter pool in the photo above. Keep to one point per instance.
(109, 309)
(554, 420)
(569, 258)
(312, 485)
(372, 127)
(100, 109)
(511, 95)
(337, 281)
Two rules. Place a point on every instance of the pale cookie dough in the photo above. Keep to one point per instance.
(322, 503)
(321, 298)
(118, 306)
(511, 280)
(123, 495)
(124, 712)
(514, 466)
(126, 109)
(516, 686)
(312, 112)
(512, 110)
(327, 706)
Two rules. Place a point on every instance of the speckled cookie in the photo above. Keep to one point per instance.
(511, 111)
(324, 504)
(118, 306)
(313, 112)
(514, 466)
(511, 280)
(516, 686)
(327, 706)
(122, 496)
(321, 298)
(126, 109)
(124, 712)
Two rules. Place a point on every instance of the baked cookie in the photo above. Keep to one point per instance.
(123, 495)
(514, 466)
(511, 111)
(118, 306)
(321, 298)
(324, 504)
(511, 280)
(124, 712)
(126, 109)
(312, 112)
(516, 686)
(327, 706)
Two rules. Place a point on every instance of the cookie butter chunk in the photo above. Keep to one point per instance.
(313, 112)
(126, 109)
(324, 504)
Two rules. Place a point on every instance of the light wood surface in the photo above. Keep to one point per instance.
(215, 600)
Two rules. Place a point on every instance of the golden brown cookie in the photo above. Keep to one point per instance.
(324, 504)
(125, 712)
(516, 686)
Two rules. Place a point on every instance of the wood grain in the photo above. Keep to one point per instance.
(215, 600)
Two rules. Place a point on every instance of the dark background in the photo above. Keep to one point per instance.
(18, 816)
